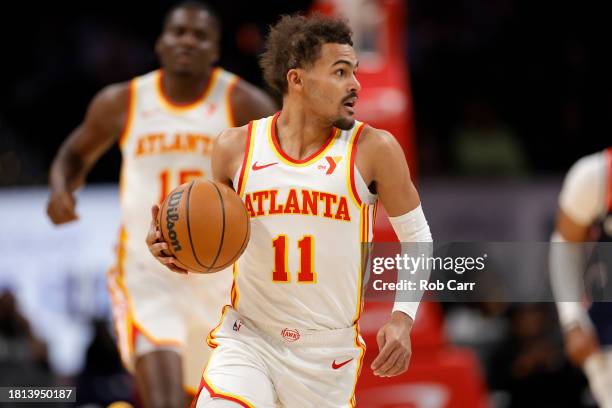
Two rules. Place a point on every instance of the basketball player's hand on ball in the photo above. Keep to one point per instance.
(580, 343)
(157, 246)
(60, 207)
(394, 346)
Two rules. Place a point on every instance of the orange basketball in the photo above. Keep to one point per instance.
(205, 225)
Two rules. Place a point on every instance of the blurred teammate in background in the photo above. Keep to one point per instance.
(310, 176)
(585, 214)
(165, 122)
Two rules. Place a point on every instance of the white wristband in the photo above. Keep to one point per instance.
(412, 227)
(410, 308)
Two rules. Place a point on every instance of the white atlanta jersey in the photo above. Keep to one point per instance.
(302, 267)
(165, 144)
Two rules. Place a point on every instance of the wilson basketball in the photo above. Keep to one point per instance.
(205, 224)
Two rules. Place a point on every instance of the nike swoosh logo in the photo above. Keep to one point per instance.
(337, 366)
(256, 167)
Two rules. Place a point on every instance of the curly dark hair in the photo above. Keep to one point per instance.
(295, 42)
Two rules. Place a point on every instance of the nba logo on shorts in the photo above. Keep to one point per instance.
(237, 325)
(290, 335)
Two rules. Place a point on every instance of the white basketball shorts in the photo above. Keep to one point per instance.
(155, 308)
(265, 367)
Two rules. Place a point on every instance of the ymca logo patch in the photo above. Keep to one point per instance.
(330, 164)
(237, 325)
(290, 335)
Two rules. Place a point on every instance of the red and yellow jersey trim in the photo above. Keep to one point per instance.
(361, 346)
(374, 217)
(129, 117)
(205, 383)
(364, 228)
(278, 151)
(122, 182)
(231, 119)
(246, 160)
(365, 223)
(190, 391)
(120, 295)
(176, 107)
(350, 171)
(216, 393)
(234, 293)
(210, 340)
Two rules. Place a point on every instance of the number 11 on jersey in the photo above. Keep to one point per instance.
(306, 247)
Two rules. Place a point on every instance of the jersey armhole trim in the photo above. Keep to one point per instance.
(246, 160)
(231, 117)
(129, 119)
(352, 187)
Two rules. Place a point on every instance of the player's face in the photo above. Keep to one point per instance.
(189, 44)
(330, 86)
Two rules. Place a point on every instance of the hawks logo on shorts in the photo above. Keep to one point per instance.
(290, 335)
(298, 209)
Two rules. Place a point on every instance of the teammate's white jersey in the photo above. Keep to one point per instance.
(303, 265)
(165, 144)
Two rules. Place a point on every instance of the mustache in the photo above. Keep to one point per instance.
(350, 96)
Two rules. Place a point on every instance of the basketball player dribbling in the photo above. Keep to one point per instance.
(585, 215)
(165, 122)
(310, 176)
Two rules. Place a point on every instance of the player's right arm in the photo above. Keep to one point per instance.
(102, 126)
(578, 208)
(228, 154)
(382, 164)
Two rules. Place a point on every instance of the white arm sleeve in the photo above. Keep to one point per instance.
(566, 263)
(412, 228)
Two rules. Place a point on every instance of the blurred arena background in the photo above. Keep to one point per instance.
(492, 100)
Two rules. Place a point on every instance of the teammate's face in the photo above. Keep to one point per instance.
(330, 85)
(189, 44)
